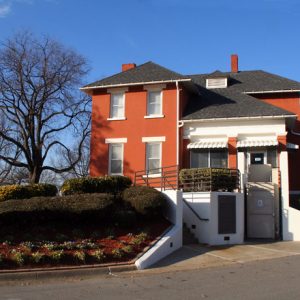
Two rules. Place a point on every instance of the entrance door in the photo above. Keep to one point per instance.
(261, 211)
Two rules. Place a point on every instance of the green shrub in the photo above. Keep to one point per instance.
(8, 192)
(106, 184)
(125, 218)
(208, 179)
(145, 200)
(73, 208)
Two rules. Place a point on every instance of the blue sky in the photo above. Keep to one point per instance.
(191, 36)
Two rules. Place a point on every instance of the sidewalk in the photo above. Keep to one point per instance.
(197, 256)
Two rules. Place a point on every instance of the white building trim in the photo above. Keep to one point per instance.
(115, 140)
(208, 143)
(150, 139)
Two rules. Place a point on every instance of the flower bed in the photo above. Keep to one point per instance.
(63, 245)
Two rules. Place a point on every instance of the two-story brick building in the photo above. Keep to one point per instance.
(148, 117)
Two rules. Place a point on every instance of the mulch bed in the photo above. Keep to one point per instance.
(69, 244)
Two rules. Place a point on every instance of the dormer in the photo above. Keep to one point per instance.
(217, 80)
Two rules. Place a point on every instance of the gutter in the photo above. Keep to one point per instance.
(134, 83)
(239, 118)
(271, 91)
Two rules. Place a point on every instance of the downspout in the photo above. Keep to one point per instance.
(177, 123)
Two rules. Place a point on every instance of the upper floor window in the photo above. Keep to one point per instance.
(117, 106)
(154, 103)
(216, 83)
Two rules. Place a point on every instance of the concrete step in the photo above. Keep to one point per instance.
(188, 237)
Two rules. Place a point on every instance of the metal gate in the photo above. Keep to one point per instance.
(261, 211)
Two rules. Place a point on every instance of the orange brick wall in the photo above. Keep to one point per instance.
(133, 128)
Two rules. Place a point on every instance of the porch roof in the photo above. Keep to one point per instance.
(257, 142)
(208, 143)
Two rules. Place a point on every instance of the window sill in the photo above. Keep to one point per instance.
(154, 116)
(152, 175)
(116, 119)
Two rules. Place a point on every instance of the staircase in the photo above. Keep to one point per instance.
(188, 237)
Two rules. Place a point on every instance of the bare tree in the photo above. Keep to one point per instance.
(41, 104)
(81, 169)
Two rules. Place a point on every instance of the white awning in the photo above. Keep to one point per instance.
(208, 143)
(258, 142)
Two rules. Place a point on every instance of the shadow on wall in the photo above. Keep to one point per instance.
(99, 155)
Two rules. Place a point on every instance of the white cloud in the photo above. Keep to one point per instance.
(5, 9)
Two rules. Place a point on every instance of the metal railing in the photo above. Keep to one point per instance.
(193, 211)
(165, 178)
(206, 179)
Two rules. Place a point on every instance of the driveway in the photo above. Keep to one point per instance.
(197, 256)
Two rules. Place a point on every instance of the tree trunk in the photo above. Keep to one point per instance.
(35, 175)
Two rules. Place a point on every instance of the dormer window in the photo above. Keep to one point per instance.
(216, 83)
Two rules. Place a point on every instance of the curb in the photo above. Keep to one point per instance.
(65, 273)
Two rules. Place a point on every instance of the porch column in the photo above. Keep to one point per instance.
(185, 154)
(232, 152)
(241, 167)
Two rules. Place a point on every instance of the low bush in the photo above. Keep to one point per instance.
(145, 200)
(89, 207)
(208, 179)
(106, 184)
(125, 218)
(8, 192)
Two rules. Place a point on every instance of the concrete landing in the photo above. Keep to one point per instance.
(198, 256)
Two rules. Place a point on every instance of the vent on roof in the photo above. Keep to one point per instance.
(216, 83)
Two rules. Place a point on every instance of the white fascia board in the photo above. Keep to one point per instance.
(134, 83)
(271, 91)
(115, 140)
(155, 87)
(149, 139)
(239, 118)
(118, 90)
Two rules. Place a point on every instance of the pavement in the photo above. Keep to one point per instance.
(189, 257)
(196, 256)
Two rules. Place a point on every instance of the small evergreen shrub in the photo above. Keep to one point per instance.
(145, 200)
(8, 192)
(107, 184)
(208, 179)
(125, 218)
(75, 208)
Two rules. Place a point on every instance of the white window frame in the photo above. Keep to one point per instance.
(212, 83)
(160, 158)
(116, 92)
(155, 88)
(110, 159)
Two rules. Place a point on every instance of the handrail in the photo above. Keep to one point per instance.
(195, 213)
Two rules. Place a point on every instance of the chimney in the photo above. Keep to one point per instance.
(126, 67)
(234, 63)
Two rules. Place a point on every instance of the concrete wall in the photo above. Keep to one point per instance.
(290, 216)
(206, 205)
(172, 240)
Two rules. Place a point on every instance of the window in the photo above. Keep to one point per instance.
(117, 107)
(153, 157)
(154, 103)
(116, 159)
(214, 158)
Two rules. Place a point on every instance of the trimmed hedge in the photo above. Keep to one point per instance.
(67, 208)
(208, 179)
(8, 192)
(145, 200)
(106, 184)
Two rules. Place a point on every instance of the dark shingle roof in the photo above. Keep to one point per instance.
(232, 102)
(147, 72)
(225, 103)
